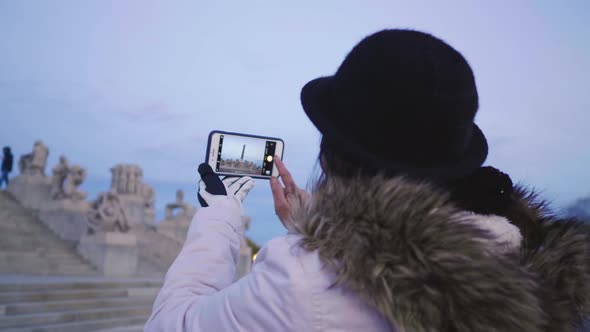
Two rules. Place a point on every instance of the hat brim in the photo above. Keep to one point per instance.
(317, 98)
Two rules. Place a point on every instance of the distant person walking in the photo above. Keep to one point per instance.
(7, 162)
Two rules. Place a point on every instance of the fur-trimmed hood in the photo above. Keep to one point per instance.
(426, 266)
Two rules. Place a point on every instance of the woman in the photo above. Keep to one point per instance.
(405, 231)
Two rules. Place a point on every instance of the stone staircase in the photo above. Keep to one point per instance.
(75, 305)
(46, 286)
(27, 246)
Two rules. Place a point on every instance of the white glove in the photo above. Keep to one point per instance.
(237, 189)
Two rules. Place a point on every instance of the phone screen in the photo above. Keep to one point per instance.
(245, 155)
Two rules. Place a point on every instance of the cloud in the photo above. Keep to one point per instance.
(177, 146)
(154, 111)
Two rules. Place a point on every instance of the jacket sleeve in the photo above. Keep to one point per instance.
(198, 294)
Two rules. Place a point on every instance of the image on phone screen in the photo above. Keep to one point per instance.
(245, 155)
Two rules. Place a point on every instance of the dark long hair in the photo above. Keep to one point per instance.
(486, 191)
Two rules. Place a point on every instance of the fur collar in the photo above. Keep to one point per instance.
(406, 250)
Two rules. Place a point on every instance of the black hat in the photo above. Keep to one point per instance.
(402, 101)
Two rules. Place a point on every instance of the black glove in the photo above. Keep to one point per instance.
(212, 182)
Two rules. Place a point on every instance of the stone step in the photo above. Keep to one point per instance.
(18, 218)
(30, 235)
(45, 307)
(60, 295)
(31, 243)
(9, 256)
(24, 258)
(135, 328)
(19, 224)
(61, 272)
(27, 246)
(40, 231)
(14, 208)
(85, 326)
(46, 253)
(38, 254)
(21, 221)
(35, 271)
(80, 285)
(35, 247)
(72, 316)
(39, 249)
(43, 267)
(31, 240)
(18, 229)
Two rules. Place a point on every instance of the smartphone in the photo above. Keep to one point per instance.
(236, 154)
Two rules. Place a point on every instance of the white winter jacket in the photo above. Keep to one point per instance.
(287, 290)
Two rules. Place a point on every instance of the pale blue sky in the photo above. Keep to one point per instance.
(106, 82)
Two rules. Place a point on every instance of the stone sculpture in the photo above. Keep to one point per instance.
(31, 187)
(34, 163)
(60, 173)
(185, 209)
(114, 178)
(149, 196)
(127, 179)
(107, 214)
(109, 245)
(136, 197)
(122, 179)
(76, 175)
(66, 211)
(132, 180)
(178, 218)
(66, 180)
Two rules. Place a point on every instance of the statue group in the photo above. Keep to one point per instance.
(107, 214)
(66, 180)
(116, 231)
(126, 179)
(137, 197)
(35, 190)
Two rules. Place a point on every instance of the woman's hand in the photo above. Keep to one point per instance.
(286, 197)
(229, 192)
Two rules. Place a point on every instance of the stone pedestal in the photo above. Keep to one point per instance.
(32, 191)
(115, 254)
(67, 218)
(176, 228)
(136, 211)
(157, 247)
